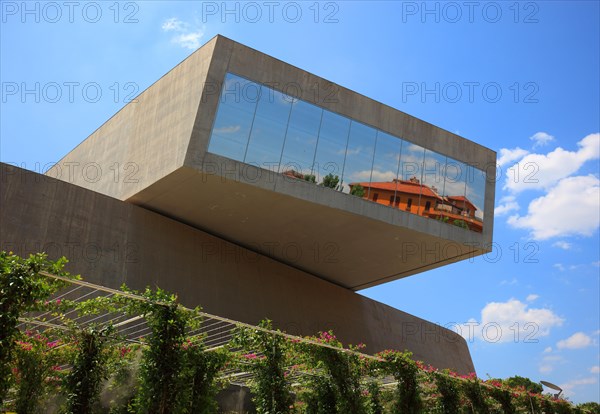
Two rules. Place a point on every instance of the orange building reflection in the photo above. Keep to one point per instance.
(414, 197)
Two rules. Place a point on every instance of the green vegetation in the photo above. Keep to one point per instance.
(461, 223)
(310, 178)
(526, 383)
(90, 368)
(331, 181)
(358, 190)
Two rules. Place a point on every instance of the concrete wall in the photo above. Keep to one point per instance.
(147, 139)
(111, 242)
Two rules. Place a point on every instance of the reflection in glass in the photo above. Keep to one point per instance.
(384, 174)
(258, 125)
(476, 192)
(268, 130)
(359, 154)
(301, 138)
(410, 175)
(234, 117)
(457, 206)
(331, 148)
(432, 181)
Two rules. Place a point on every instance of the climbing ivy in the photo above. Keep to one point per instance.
(265, 355)
(89, 370)
(404, 370)
(200, 369)
(22, 289)
(341, 372)
(449, 390)
(475, 393)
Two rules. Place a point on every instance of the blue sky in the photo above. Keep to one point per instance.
(519, 78)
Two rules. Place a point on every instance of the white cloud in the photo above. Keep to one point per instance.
(543, 171)
(595, 369)
(576, 341)
(186, 36)
(549, 361)
(509, 155)
(383, 175)
(510, 321)
(507, 204)
(562, 245)
(541, 138)
(559, 266)
(415, 148)
(570, 208)
(568, 387)
(228, 129)
(173, 24)
(375, 176)
(360, 176)
(349, 151)
(189, 40)
(506, 314)
(532, 297)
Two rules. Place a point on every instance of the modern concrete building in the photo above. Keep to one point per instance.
(228, 182)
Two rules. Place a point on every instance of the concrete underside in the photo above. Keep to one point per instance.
(355, 246)
(110, 242)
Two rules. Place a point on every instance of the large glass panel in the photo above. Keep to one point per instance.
(264, 127)
(475, 197)
(359, 156)
(455, 192)
(301, 138)
(411, 161)
(234, 117)
(434, 165)
(410, 176)
(331, 149)
(384, 174)
(268, 130)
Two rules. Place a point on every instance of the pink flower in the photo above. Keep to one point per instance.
(25, 346)
(52, 344)
(327, 337)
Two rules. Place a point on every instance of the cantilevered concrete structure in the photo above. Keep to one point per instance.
(228, 182)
